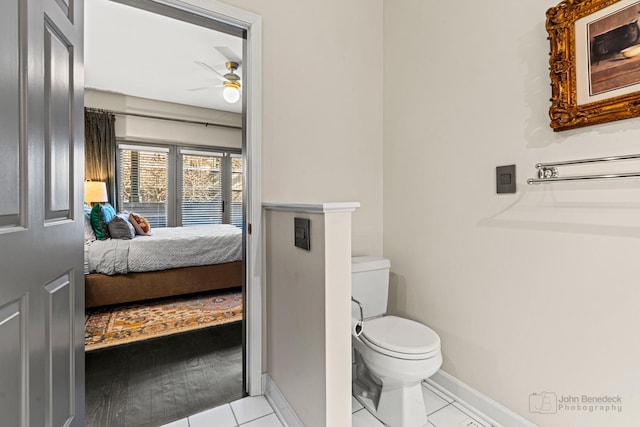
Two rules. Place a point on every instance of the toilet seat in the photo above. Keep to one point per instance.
(400, 338)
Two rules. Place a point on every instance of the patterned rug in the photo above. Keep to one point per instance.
(126, 323)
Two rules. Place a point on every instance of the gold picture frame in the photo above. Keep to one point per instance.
(586, 62)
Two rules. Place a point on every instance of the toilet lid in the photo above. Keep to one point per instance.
(401, 335)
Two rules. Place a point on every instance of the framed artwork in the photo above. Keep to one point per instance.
(594, 62)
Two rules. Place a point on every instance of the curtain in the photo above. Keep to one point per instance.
(100, 150)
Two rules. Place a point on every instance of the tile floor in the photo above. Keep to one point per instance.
(256, 412)
(442, 410)
(247, 412)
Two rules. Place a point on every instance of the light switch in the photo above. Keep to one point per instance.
(301, 233)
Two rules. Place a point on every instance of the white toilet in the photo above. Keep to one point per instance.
(393, 355)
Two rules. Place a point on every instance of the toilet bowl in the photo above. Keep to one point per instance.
(393, 355)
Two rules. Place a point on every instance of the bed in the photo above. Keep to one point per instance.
(171, 261)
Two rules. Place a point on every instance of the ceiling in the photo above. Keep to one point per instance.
(138, 53)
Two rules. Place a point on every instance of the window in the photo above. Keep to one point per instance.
(206, 184)
(143, 182)
(202, 197)
(236, 211)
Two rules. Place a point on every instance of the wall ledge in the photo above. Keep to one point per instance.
(331, 207)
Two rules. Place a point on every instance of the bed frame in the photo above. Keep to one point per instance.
(101, 289)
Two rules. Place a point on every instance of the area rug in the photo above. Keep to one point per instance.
(126, 323)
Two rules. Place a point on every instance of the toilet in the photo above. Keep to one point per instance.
(392, 355)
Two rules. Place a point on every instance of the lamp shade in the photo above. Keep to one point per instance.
(95, 192)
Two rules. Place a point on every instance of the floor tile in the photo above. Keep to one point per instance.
(453, 416)
(432, 401)
(363, 418)
(444, 396)
(355, 405)
(268, 421)
(180, 423)
(222, 416)
(477, 415)
(250, 408)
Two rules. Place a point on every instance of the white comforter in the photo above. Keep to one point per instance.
(166, 248)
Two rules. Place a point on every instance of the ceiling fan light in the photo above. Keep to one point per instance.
(231, 92)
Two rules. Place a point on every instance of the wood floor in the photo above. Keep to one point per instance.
(151, 383)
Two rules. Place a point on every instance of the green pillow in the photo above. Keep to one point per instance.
(100, 217)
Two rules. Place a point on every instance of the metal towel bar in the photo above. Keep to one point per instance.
(359, 305)
(360, 323)
(548, 172)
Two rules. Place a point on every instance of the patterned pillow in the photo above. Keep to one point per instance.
(120, 228)
(100, 217)
(140, 224)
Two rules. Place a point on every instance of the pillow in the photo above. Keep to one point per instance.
(89, 235)
(108, 212)
(140, 224)
(120, 228)
(124, 215)
(97, 222)
(100, 217)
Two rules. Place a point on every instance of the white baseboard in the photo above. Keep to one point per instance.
(475, 401)
(283, 410)
(465, 395)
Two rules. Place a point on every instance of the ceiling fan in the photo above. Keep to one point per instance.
(230, 80)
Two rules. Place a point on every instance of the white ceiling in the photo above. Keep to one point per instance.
(143, 54)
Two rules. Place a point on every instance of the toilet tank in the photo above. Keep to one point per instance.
(369, 285)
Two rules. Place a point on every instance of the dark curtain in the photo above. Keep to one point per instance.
(100, 150)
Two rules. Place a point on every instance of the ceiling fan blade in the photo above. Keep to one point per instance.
(228, 54)
(195, 89)
(209, 68)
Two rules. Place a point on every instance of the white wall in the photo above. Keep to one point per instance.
(537, 291)
(152, 130)
(322, 106)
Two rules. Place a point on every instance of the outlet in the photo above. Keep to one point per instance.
(301, 233)
(506, 179)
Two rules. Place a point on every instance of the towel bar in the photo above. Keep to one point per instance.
(548, 172)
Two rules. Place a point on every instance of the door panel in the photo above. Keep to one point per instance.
(41, 215)
(65, 5)
(12, 368)
(59, 349)
(9, 113)
(58, 83)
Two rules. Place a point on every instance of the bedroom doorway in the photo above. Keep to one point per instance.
(192, 347)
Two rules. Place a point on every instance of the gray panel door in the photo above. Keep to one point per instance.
(41, 217)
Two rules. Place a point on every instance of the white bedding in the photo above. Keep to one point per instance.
(86, 258)
(165, 248)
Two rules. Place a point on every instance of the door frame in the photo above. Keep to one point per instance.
(252, 161)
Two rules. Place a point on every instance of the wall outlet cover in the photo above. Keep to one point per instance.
(506, 179)
(301, 233)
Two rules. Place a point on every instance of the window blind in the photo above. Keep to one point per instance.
(202, 198)
(143, 181)
(236, 215)
(180, 185)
